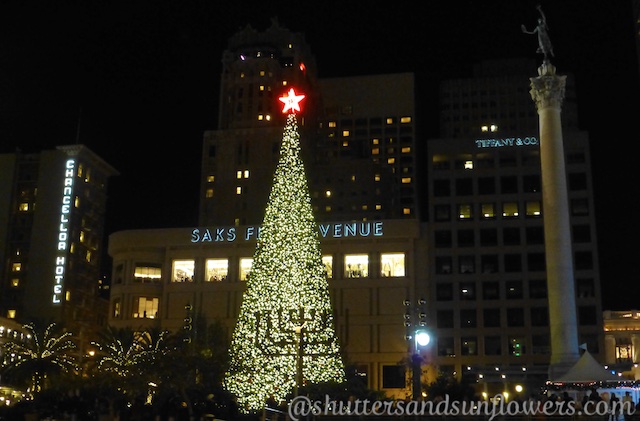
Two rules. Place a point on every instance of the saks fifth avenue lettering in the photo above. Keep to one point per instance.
(507, 142)
(63, 231)
(333, 230)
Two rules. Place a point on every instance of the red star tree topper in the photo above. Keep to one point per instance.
(291, 101)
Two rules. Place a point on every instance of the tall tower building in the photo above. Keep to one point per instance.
(358, 135)
(488, 289)
(51, 235)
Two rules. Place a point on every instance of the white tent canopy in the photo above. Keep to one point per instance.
(586, 370)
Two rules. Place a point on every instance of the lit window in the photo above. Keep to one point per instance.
(346, 133)
(245, 267)
(11, 314)
(16, 267)
(468, 165)
(327, 261)
(145, 272)
(510, 209)
(88, 256)
(183, 271)
(356, 265)
(146, 308)
(392, 264)
(389, 120)
(375, 151)
(238, 190)
(82, 236)
(67, 296)
(488, 210)
(391, 161)
(23, 207)
(262, 73)
(239, 174)
(406, 180)
(285, 83)
(376, 177)
(364, 207)
(484, 128)
(406, 211)
(267, 117)
(332, 124)
(116, 309)
(533, 208)
(353, 178)
(260, 117)
(15, 282)
(375, 141)
(211, 178)
(327, 193)
(494, 128)
(261, 87)
(406, 149)
(378, 207)
(327, 208)
(465, 211)
(345, 143)
(405, 119)
(217, 270)
(209, 193)
(246, 174)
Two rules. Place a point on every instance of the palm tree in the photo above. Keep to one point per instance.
(39, 353)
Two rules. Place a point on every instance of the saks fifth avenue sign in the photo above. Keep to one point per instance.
(63, 231)
(332, 230)
(507, 142)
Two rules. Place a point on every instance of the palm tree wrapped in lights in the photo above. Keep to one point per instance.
(36, 353)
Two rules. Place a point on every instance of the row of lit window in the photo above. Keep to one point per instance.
(464, 211)
(388, 120)
(355, 266)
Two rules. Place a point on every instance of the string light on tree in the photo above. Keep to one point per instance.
(285, 335)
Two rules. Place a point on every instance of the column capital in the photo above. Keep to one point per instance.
(547, 90)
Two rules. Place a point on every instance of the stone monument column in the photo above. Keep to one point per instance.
(547, 91)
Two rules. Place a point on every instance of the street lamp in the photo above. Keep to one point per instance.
(416, 322)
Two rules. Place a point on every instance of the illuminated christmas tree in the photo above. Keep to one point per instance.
(285, 335)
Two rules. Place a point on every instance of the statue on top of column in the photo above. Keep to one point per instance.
(544, 43)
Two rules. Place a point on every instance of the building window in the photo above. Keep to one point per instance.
(511, 236)
(217, 270)
(467, 291)
(466, 238)
(581, 233)
(491, 290)
(488, 210)
(16, 267)
(515, 317)
(587, 315)
(145, 272)
(394, 377)
(392, 264)
(146, 308)
(469, 345)
(488, 237)
(533, 208)
(446, 347)
(492, 345)
(444, 319)
(585, 288)
(443, 265)
(512, 263)
(466, 264)
(510, 210)
(540, 345)
(534, 235)
(624, 350)
(464, 187)
(444, 292)
(245, 268)
(580, 207)
(486, 185)
(356, 266)
(539, 316)
(537, 288)
(516, 346)
(536, 262)
(465, 211)
(491, 317)
(441, 188)
(442, 213)
(531, 184)
(509, 185)
(443, 239)
(489, 263)
(183, 271)
(117, 310)
(11, 314)
(468, 318)
(327, 261)
(514, 290)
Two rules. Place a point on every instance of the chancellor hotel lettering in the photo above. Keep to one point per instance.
(332, 230)
(63, 230)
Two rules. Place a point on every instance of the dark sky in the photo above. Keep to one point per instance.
(140, 80)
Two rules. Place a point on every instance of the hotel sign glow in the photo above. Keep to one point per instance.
(63, 231)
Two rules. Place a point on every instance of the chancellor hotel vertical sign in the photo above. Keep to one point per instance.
(63, 231)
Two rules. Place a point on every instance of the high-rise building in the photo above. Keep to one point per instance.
(52, 216)
(488, 287)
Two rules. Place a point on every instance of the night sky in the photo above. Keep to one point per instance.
(137, 82)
